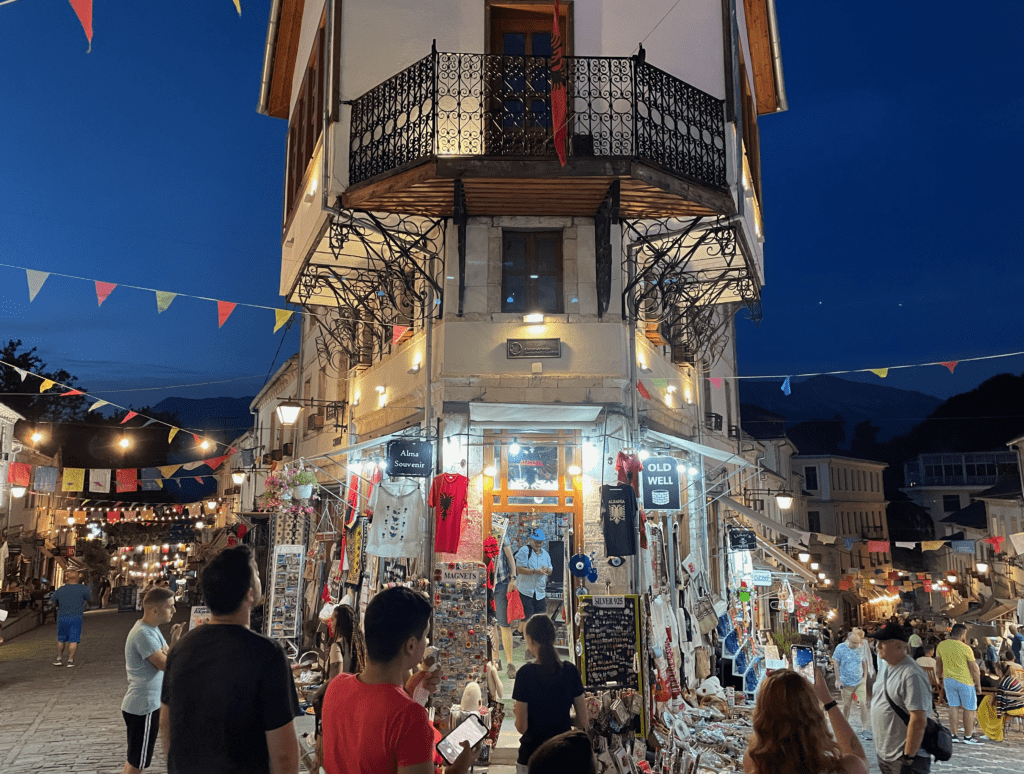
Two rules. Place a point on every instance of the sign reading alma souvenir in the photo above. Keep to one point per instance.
(516, 348)
(660, 482)
(409, 457)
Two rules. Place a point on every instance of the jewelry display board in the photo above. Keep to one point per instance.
(610, 642)
(460, 630)
(285, 591)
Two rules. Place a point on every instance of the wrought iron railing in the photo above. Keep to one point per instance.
(491, 105)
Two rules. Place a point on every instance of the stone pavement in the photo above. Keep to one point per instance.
(69, 720)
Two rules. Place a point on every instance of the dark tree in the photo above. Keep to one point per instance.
(864, 443)
(820, 436)
(24, 397)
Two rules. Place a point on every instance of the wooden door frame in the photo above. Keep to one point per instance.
(567, 12)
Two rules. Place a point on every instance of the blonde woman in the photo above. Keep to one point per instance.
(791, 735)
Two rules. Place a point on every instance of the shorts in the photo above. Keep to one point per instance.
(69, 629)
(960, 695)
(501, 603)
(532, 606)
(142, 731)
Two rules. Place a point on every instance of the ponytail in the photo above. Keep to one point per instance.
(542, 631)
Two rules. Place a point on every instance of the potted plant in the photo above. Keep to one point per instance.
(785, 638)
(303, 482)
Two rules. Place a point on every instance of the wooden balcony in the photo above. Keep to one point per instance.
(486, 120)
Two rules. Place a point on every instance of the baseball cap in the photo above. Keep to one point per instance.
(538, 534)
(891, 631)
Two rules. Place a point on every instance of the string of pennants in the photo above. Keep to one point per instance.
(100, 479)
(83, 10)
(885, 546)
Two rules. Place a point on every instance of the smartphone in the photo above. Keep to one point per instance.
(471, 730)
(803, 661)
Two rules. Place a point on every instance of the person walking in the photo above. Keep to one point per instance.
(901, 705)
(1016, 640)
(71, 600)
(505, 580)
(544, 692)
(850, 660)
(959, 674)
(145, 658)
(371, 725)
(533, 565)
(791, 735)
(228, 700)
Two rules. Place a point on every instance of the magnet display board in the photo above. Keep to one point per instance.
(460, 630)
(285, 591)
(610, 642)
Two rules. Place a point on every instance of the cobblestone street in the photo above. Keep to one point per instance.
(69, 720)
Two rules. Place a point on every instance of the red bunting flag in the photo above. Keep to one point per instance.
(996, 541)
(216, 462)
(83, 9)
(198, 478)
(558, 100)
(127, 480)
(716, 382)
(642, 390)
(891, 589)
(113, 515)
(71, 392)
(928, 586)
(19, 473)
(103, 289)
(844, 585)
(397, 332)
(198, 439)
(878, 546)
(129, 415)
(224, 310)
(950, 365)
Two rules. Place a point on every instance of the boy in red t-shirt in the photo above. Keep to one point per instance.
(370, 724)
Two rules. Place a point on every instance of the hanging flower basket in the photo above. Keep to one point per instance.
(302, 491)
(303, 482)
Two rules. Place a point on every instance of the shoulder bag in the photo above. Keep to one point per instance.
(937, 741)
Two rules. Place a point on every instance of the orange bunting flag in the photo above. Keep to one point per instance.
(881, 373)
(950, 365)
(47, 384)
(83, 9)
(198, 439)
(198, 478)
(129, 415)
(224, 310)
(71, 392)
(642, 390)
(103, 289)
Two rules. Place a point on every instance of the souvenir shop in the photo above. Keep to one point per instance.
(626, 531)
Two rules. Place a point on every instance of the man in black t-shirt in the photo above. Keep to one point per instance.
(228, 699)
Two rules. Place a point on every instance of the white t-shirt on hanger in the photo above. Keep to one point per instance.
(398, 515)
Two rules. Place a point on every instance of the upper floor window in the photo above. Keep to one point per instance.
(950, 503)
(305, 124)
(531, 272)
(811, 480)
(813, 521)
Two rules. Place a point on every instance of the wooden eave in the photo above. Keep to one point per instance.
(763, 65)
(532, 186)
(285, 52)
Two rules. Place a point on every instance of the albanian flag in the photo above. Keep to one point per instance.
(558, 103)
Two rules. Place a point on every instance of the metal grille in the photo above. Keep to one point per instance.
(491, 105)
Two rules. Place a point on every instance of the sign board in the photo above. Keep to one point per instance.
(200, 614)
(609, 645)
(742, 540)
(285, 591)
(522, 348)
(660, 482)
(410, 457)
(126, 596)
(761, 577)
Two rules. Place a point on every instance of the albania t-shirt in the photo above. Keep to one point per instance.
(397, 528)
(548, 696)
(448, 499)
(618, 518)
(225, 687)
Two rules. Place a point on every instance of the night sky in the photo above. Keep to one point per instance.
(891, 189)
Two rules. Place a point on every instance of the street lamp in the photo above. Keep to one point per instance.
(784, 499)
(982, 567)
(124, 443)
(237, 477)
(804, 557)
(288, 412)
(814, 566)
(17, 490)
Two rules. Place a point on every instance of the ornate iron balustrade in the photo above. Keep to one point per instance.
(492, 105)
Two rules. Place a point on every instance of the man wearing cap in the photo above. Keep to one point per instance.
(905, 685)
(533, 565)
(958, 673)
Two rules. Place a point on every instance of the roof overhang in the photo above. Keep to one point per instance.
(279, 55)
(766, 53)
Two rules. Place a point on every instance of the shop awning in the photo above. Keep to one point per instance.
(698, 448)
(533, 415)
(999, 608)
(758, 518)
(785, 560)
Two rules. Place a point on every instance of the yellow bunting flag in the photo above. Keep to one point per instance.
(170, 435)
(74, 479)
(47, 384)
(881, 373)
(167, 471)
(281, 316)
(932, 545)
(163, 300)
(238, 6)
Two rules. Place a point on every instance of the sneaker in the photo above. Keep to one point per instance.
(58, 662)
(865, 735)
(957, 740)
(71, 664)
(973, 740)
(511, 672)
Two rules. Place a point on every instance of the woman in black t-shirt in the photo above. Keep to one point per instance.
(544, 692)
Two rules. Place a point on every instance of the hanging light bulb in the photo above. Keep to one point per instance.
(784, 499)
(804, 557)
(514, 448)
(644, 454)
(124, 443)
(237, 477)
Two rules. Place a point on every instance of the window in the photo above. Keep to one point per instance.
(531, 271)
(306, 122)
(811, 478)
(950, 503)
(813, 521)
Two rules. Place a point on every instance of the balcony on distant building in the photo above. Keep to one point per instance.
(980, 469)
(488, 120)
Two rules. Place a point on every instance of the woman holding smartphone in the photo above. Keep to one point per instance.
(544, 692)
(791, 735)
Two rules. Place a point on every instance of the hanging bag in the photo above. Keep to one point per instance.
(937, 741)
(515, 607)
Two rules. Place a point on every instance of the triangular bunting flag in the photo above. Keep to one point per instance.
(786, 389)
(21, 372)
(103, 289)
(35, 283)
(167, 471)
(150, 421)
(216, 462)
(281, 316)
(83, 9)
(224, 310)
(163, 300)
(97, 405)
(47, 384)
(170, 435)
(950, 365)
(397, 332)
(238, 6)
(881, 373)
(197, 438)
(642, 390)
(716, 382)
(129, 415)
(198, 478)
(71, 392)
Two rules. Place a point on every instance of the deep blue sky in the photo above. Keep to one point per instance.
(892, 192)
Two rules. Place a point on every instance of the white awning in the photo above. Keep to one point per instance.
(762, 520)
(533, 415)
(785, 560)
(698, 448)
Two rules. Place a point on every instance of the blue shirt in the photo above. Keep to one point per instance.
(534, 584)
(1018, 639)
(850, 660)
(144, 680)
(71, 599)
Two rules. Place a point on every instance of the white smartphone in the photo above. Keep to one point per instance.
(471, 730)
(803, 661)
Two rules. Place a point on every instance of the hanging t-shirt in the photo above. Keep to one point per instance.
(448, 499)
(618, 517)
(397, 528)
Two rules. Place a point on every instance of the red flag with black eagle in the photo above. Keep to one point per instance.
(558, 99)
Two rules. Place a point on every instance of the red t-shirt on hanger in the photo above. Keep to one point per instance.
(448, 499)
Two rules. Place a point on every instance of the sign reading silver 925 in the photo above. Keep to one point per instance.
(660, 483)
